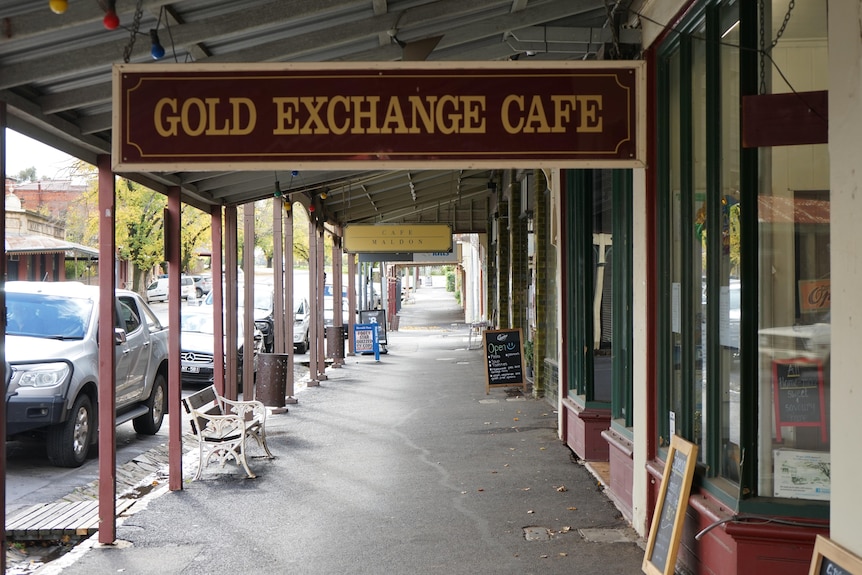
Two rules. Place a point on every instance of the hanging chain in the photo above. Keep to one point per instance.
(783, 27)
(790, 6)
(133, 31)
(762, 46)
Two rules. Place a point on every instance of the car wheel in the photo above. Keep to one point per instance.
(199, 293)
(69, 442)
(151, 422)
(302, 347)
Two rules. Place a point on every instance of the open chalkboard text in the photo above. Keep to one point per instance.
(504, 358)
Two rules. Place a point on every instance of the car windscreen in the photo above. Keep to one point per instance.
(263, 299)
(197, 323)
(41, 315)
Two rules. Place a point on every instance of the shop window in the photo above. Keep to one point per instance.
(744, 263)
(600, 314)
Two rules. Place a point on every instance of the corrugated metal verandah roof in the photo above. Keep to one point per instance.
(29, 245)
(55, 76)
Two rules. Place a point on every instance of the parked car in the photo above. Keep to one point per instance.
(264, 321)
(197, 333)
(203, 285)
(158, 290)
(264, 318)
(52, 348)
(329, 309)
(301, 325)
(264, 315)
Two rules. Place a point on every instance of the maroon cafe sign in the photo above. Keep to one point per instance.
(262, 116)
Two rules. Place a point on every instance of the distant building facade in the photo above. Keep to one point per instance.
(36, 248)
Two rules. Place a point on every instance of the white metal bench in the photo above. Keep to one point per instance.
(222, 427)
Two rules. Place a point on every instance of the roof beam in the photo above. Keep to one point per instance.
(62, 64)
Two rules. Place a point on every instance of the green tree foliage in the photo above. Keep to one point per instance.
(263, 216)
(300, 234)
(82, 224)
(139, 228)
(27, 175)
(196, 232)
(140, 234)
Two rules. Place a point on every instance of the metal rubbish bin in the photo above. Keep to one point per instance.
(271, 384)
(335, 342)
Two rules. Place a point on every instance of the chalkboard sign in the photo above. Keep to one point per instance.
(378, 317)
(831, 559)
(799, 395)
(667, 519)
(504, 358)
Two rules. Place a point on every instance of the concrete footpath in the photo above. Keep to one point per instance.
(401, 466)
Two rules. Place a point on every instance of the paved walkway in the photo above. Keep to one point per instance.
(401, 466)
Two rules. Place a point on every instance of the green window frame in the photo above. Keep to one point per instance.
(583, 189)
(675, 157)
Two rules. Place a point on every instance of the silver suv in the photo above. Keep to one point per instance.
(52, 348)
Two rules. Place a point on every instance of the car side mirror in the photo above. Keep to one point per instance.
(119, 336)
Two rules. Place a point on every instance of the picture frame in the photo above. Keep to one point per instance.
(832, 559)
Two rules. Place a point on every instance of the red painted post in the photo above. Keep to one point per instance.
(231, 301)
(172, 229)
(315, 298)
(107, 372)
(3, 337)
(218, 298)
(351, 300)
(337, 299)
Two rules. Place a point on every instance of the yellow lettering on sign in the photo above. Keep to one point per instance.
(395, 116)
(474, 115)
(364, 108)
(590, 107)
(185, 117)
(338, 101)
(557, 113)
(508, 102)
(426, 116)
(285, 120)
(238, 104)
(564, 105)
(161, 118)
(320, 115)
(196, 117)
(312, 107)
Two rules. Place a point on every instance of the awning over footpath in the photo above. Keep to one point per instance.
(30, 245)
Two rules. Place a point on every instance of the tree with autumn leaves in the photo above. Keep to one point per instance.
(139, 228)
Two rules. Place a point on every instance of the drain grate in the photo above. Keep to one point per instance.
(536, 533)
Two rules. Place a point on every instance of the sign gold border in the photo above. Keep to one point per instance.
(638, 67)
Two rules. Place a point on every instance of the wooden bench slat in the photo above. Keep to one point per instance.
(60, 519)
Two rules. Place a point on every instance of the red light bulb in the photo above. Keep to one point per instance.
(111, 20)
(311, 208)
